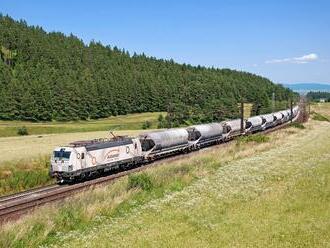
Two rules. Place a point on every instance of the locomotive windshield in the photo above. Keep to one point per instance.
(61, 155)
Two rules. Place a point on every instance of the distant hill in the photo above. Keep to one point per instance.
(51, 76)
(303, 88)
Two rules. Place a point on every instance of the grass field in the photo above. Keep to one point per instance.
(24, 160)
(321, 108)
(277, 198)
(26, 147)
(264, 192)
(24, 163)
(127, 122)
(247, 110)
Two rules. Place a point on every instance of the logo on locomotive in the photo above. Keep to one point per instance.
(112, 154)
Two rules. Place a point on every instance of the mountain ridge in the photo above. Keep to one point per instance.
(306, 87)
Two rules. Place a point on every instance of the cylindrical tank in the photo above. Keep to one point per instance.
(289, 113)
(295, 110)
(285, 114)
(205, 131)
(233, 125)
(253, 122)
(268, 118)
(164, 139)
(278, 116)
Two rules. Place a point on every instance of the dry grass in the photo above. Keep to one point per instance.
(321, 108)
(175, 211)
(27, 147)
(121, 122)
(247, 110)
(24, 161)
(113, 204)
(276, 198)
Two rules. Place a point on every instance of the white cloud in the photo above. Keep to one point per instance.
(295, 60)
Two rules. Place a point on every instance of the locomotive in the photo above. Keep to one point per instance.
(90, 158)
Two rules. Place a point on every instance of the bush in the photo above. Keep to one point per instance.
(146, 125)
(258, 138)
(297, 125)
(319, 117)
(142, 181)
(22, 131)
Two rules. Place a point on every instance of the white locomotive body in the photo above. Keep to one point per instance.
(85, 158)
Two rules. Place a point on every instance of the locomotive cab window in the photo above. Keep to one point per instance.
(62, 155)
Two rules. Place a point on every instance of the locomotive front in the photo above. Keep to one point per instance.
(61, 161)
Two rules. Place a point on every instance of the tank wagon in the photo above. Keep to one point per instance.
(267, 121)
(278, 116)
(84, 159)
(295, 110)
(205, 134)
(232, 128)
(163, 143)
(254, 124)
(286, 115)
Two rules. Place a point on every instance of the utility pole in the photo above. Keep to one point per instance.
(273, 102)
(242, 116)
(291, 109)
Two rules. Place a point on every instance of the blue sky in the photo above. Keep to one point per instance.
(286, 41)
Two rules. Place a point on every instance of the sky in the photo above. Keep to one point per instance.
(287, 41)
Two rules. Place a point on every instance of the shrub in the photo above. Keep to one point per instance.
(146, 125)
(319, 117)
(161, 121)
(258, 138)
(297, 125)
(142, 181)
(22, 131)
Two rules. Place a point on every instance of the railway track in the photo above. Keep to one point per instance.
(16, 205)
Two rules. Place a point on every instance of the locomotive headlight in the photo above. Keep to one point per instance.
(70, 167)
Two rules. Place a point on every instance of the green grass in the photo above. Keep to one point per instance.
(271, 194)
(142, 181)
(297, 125)
(277, 198)
(318, 117)
(126, 122)
(24, 175)
(257, 138)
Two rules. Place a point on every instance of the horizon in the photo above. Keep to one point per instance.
(236, 35)
(316, 83)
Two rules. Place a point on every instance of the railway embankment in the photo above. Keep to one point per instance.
(212, 191)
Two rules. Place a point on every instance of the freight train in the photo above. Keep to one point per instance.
(86, 159)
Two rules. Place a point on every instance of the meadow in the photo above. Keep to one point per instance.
(114, 123)
(24, 160)
(321, 109)
(258, 192)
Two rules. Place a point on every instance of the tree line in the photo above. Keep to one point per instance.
(317, 95)
(48, 76)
